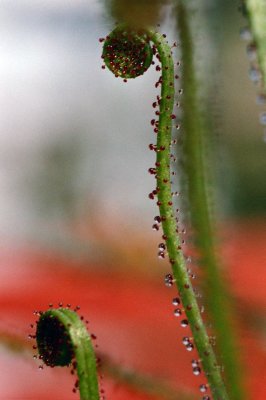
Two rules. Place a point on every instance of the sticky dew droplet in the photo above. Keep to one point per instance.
(184, 323)
(157, 218)
(161, 246)
(196, 371)
(152, 171)
(155, 227)
(189, 346)
(194, 363)
(168, 280)
(176, 301)
(203, 388)
(185, 340)
(177, 312)
(161, 255)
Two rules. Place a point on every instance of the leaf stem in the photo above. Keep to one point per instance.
(172, 239)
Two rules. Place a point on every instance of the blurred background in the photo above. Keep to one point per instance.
(74, 141)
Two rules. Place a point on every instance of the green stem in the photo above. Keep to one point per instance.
(172, 239)
(62, 338)
(124, 53)
(256, 10)
(195, 167)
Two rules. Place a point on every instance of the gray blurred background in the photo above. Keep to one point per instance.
(74, 140)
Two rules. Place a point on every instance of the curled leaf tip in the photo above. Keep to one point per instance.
(62, 340)
(127, 52)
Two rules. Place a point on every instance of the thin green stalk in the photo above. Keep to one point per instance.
(62, 339)
(121, 66)
(218, 305)
(256, 11)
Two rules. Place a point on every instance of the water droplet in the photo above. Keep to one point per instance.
(203, 388)
(206, 398)
(161, 246)
(254, 74)
(177, 312)
(189, 346)
(185, 340)
(196, 371)
(168, 280)
(252, 51)
(176, 301)
(263, 118)
(245, 33)
(184, 323)
(155, 227)
(194, 363)
(161, 254)
(40, 367)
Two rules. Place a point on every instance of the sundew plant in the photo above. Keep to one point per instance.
(177, 47)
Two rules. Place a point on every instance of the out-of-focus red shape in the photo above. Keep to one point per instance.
(131, 315)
